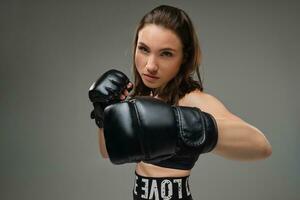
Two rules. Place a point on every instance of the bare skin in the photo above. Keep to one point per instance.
(238, 140)
(158, 58)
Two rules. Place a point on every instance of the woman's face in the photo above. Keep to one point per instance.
(158, 55)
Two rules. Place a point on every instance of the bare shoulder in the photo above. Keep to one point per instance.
(207, 103)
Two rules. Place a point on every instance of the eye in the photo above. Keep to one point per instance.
(167, 54)
(143, 49)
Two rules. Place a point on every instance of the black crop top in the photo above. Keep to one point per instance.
(185, 158)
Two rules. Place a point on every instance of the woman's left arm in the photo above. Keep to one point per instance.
(237, 140)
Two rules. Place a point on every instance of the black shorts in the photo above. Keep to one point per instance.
(165, 188)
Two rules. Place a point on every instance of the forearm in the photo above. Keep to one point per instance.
(102, 146)
(239, 140)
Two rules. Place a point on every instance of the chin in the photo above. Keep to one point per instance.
(152, 86)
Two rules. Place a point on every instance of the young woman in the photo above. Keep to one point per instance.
(166, 56)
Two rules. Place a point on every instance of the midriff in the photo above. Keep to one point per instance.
(149, 170)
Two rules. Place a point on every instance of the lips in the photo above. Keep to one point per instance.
(150, 78)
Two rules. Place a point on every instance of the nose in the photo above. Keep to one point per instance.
(151, 65)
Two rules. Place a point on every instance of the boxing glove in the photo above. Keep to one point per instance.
(147, 129)
(106, 91)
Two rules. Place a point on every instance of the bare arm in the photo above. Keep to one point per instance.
(102, 146)
(238, 140)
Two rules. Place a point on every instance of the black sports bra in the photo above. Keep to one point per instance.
(184, 159)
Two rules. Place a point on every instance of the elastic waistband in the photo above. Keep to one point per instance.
(157, 188)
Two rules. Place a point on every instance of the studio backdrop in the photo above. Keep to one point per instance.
(52, 51)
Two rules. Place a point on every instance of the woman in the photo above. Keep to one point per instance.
(166, 56)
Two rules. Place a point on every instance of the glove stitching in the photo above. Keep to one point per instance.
(203, 130)
(180, 126)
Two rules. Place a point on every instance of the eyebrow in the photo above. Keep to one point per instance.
(164, 49)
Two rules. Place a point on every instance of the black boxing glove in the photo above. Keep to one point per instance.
(147, 129)
(106, 91)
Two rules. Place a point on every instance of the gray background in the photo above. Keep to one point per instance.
(52, 51)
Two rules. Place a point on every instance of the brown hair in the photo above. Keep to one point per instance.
(178, 21)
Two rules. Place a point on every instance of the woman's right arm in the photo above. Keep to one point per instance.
(102, 146)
